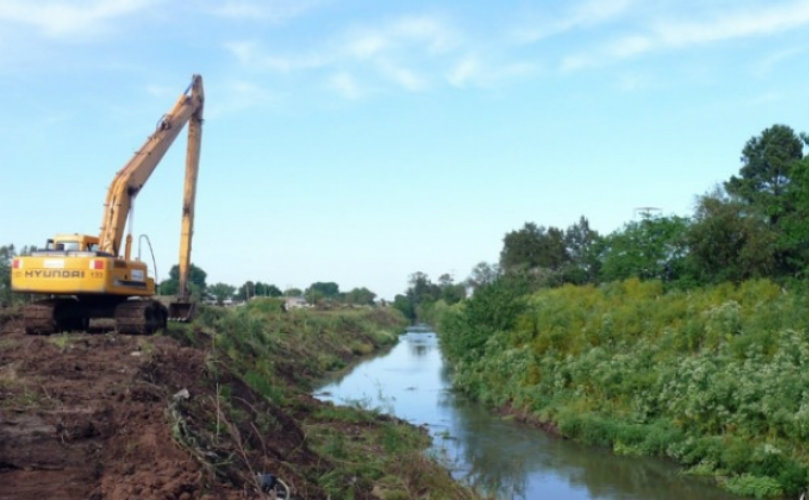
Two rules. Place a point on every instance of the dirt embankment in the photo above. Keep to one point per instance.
(108, 416)
(204, 411)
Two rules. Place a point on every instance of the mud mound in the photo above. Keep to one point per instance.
(114, 416)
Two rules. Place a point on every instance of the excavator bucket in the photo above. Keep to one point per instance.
(182, 312)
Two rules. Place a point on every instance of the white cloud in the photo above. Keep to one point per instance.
(426, 35)
(410, 52)
(402, 76)
(583, 14)
(766, 65)
(437, 36)
(472, 71)
(249, 53)
(367, 46)
(345, 85)
(62, 19)
(630, 82)
(765, 99)
(765, 21)
(273, 11)
(160, 90)
(629, 46)
(238, 95)
(675, 34)
(464, 71)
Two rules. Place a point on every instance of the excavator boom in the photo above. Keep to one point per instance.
(131, 178)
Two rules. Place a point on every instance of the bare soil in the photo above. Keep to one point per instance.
(102, 415)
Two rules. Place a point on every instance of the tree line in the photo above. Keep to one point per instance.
(753, 225)
(317, 293)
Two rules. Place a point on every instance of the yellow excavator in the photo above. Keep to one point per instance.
(82, 276)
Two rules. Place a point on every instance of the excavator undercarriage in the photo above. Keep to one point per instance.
(137, 317)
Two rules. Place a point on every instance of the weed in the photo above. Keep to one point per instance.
(62, 341)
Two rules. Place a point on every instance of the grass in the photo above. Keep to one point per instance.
(62, 340)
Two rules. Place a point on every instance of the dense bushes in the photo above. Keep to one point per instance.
(716, 378)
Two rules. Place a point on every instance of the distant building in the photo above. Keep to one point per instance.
(295, 303)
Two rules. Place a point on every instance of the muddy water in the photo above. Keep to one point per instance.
(499, 456)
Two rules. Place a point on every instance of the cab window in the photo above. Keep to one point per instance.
(68, 246)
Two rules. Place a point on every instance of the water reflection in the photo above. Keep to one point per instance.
(418, 349)
(501, 457)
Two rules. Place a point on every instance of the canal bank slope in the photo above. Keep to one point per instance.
(199, 411)
(714, 378)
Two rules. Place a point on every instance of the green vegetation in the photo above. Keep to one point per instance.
(7, 298)
(263, 342)
(256, 289)
(716, 378)
(377, 453)
(424, 299)
(281, 355)
(196, 281)
(221, 292)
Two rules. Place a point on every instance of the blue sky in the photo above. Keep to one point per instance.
(359, 142)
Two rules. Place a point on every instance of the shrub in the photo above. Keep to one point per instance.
(703, 376)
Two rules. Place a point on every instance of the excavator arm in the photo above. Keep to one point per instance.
(182, 309)
(131, 178)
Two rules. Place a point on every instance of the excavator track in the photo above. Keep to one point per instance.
(40, 318)
(49, 316)
(140, 317)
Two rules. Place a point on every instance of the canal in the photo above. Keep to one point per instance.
(500, 457)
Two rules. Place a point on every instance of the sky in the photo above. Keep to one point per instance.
(360, 142)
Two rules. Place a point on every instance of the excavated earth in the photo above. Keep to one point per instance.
(103, 415)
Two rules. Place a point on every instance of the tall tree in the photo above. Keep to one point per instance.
(196, 281)
(728, 243)
(267, 290)
(451, 293)
(652, 248)
(221, 292)
(794, 231)
(247, 290)
(583, 246)
(405, 305)
(483, 274)
(328, 290)
(766, 172)
(422, 290)
(533, 247)
(770, 184)
(360, 296)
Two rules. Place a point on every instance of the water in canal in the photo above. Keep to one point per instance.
(500, 457)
